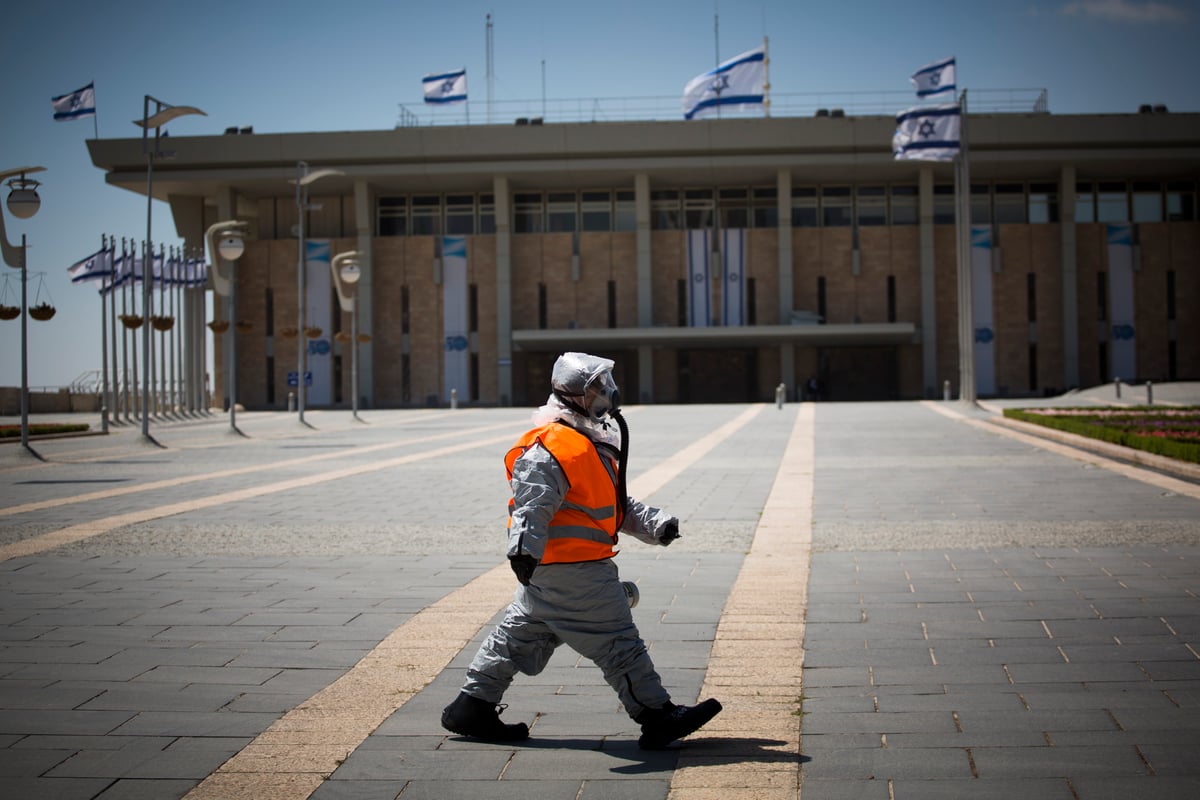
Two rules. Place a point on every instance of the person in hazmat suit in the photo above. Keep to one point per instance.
(569, 502)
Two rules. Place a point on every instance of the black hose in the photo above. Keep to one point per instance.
(622, 465)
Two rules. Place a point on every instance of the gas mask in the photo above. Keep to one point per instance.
(585, 384)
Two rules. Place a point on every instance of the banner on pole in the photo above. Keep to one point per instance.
(699, 294)
(457, 357)
(318, 314)
(1123, 342)
(981, 309)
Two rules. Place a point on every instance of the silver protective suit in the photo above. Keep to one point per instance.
(582, 605)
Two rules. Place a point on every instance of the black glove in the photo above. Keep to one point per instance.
(670, 532)
(523, 567)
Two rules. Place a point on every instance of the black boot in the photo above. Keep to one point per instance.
(471, 716)
(661, 726)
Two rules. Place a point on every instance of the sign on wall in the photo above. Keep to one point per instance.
(981, 309)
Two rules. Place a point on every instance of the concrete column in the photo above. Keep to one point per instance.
(783, 211)
(364, 302)
(1070, 277)
(645, 286)
(928, 283)
(503, 199)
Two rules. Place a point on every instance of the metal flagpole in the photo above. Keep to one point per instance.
(966, 324)
(104, 403)
(115, 384)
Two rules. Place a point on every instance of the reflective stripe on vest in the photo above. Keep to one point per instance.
(585, 526)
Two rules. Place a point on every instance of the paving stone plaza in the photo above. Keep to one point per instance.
(891, 600)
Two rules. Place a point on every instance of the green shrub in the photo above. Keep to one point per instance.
(42, 429)
(1122, 425)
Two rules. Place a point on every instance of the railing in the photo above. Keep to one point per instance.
(628, 109)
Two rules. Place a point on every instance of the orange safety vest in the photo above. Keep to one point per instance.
(586, 524)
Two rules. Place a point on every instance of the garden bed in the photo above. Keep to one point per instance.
(1170, 432)
(42, 429)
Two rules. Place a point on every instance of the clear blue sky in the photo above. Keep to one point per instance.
(302, 65)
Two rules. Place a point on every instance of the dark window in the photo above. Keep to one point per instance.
(751, 302)
(836, 211)
(269, 313)
(1181, 201)
(804, 207)
(270, 380)
(473, 307)
(542, 306)
(528, 213)
(1171, 368)
(1085, 202)
(473, 390)
(665, 210)
(626, 212)
(904, 205)
(1170, 294)
(393, 216)
(1033, 369)
(981, 204)
(405, 378)
(943, 204)
(1010, 203)
(821, 297)
(1112, 203)
(426, 216)
(871, 202)
(460, 214)
(403, 309)
(487, 213)
(337, 379)
(612, 304)
(1101, 295)
(1031, 297)
(891, 298)
(562, 214)
(1102, 352)
(766, 208)
(596, 211)
(735, 212)
(681, 303)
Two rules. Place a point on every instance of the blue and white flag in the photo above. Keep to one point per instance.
(737, 84)
(449, 87)
(699, 293)
(79, 103)
(928, 133)
(934, 78)
(95, 267)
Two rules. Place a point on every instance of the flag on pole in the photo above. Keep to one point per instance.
(76, 104)
(934, 78)
(448, 87)
(737, 83)
(928, 133)
(93, 268)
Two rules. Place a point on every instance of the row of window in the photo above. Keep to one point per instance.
(758, 207)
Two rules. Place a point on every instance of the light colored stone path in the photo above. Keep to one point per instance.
(758, 656)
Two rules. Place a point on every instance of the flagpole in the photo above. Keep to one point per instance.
(104, 409)
(115, 383)
(966, 325)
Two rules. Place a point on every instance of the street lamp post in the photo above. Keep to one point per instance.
(23, 202)
(225, 241)
(303, 179)
(163, 113)
(346, 273)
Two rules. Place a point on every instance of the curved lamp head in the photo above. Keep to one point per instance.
(308, 177)
(350, 272)
(166, 115)
(231, 241)
(23, 200)
(346, 273)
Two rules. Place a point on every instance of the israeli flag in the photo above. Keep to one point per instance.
(79, 103)
(449, 87)
(737, 84)
(928, 133)
(934, 78)
(93, 268)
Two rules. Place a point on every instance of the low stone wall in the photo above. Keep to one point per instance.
(61, 401)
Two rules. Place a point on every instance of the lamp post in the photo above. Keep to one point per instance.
(225, 241)
(346, 273)
(303, 179)
(163, 113)
(23, 203)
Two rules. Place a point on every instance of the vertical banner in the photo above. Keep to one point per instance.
(699, 294)
(457, 371)
(1123, 347)
(318, 314)
(981, 309)
(733, 285)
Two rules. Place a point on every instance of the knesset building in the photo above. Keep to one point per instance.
(712, 260)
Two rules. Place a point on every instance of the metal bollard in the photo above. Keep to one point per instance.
(291, 402)
(779, 390)
(104, 419)
(1150, 393)
(1117, 385)
(453, 398)
(946, 391)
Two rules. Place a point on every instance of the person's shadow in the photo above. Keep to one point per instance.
(703, 750)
